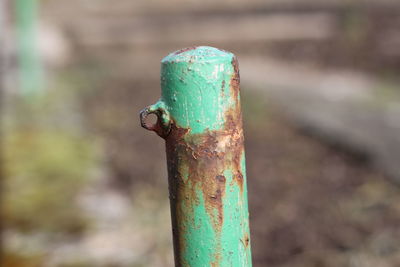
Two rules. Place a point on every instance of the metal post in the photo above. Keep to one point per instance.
(2, 94)
(30, 66)
(199, 117)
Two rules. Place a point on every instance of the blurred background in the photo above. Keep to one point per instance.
(83, 185)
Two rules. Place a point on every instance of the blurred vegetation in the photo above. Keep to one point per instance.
(48, 159)
(386, 92)
(44, 170)
(17, 260)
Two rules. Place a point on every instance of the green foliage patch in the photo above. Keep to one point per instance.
(44, 172)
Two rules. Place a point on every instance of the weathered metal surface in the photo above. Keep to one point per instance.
(200, 118)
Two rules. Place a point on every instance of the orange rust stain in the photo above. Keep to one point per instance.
(205, 156)
(239, 180)
(216, 262)
(246, 240)
(216, 200)
(235, 81)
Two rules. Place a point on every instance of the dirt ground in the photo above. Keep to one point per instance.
(313, 204)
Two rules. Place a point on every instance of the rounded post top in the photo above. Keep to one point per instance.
(199, 85)
(200, 54)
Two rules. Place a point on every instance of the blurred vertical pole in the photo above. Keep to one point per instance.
(200, 118)
(2, 85)
(30, 67)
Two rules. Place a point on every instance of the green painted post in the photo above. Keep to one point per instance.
(30, 67)
(199, 117)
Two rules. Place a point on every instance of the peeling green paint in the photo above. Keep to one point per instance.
(200, 119)
(193, 87)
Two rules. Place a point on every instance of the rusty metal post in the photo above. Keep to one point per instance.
(200, 118)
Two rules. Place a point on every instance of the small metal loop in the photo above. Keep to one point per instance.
(144, 113)
(162, 125)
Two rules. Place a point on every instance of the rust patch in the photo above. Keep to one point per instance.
(184, 50)
(245, 240)
(216, 199)
(205, 162)
(217, 260)
(157, 127)
(235, 81)
(196, 163)
(239, 180)
(223, 88)
(220, 178)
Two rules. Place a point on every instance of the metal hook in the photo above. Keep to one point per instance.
(162, 126)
